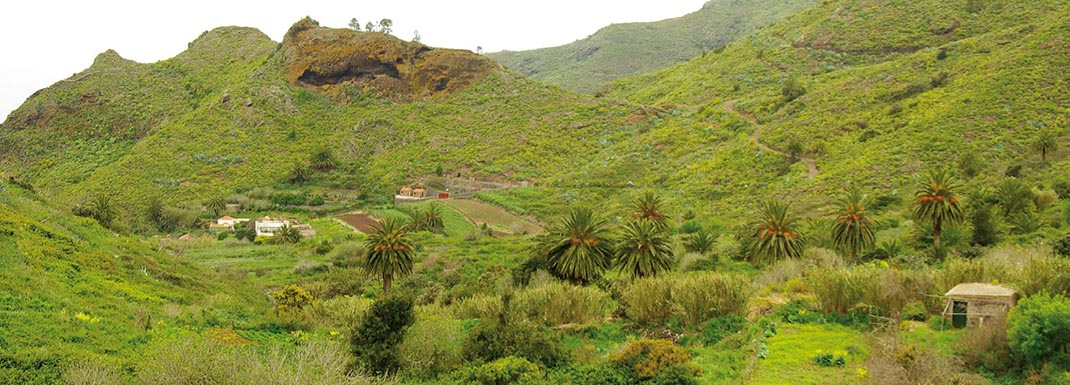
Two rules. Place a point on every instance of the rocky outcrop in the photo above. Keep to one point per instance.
(377, 63)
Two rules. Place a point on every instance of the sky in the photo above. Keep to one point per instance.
(44, 41)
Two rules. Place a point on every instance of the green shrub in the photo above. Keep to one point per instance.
(690, 227)
(490, 341)
(828, 360)
(290, 300)
(718, 328)
(692, 298)
(1042, 274)
(986, 346)
(558, 303)
(187, 360)
(374, 341)
(1061, 246)
(91, 373)
(432, 344)
(505, 371)
(984, 227)
(1039, 329)
(646, 358)
(915, 311)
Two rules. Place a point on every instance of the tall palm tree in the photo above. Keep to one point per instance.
(1045, 143)
(644, 250)
(775, 236)
(649, 207)
(389, 251)
(578, 248)
(936, 203)
(853, 230)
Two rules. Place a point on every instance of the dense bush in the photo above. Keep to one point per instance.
(558, 303)
(432, 344)
(290, 300)
(490, 341)
(374, 341)
(645, 359)
(986, 346)
(1061, 246)
(692, 298)
(505, 371)
(1039, 329)
(868, 289)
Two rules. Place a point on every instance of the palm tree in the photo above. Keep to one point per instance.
(936, 203)
(649, 207)
(1045, 143)
(389, 251)
(700, 242)
(433, 219)
(323, 160)
(775, 235)
(288, 234)
(216, 205)
(644, 250)
(300, 173)
(853, 230)
(577, 248)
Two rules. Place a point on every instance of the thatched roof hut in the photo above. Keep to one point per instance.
(970, 304)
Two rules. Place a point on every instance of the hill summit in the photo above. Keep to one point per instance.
(376, 63)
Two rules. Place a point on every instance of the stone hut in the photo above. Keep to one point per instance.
(405, 192)
(419, 193)
(970, 304)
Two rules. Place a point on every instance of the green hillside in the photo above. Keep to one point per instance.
(621, 50)
(696, 282)
(186, 128)
(70, 288)
(874, 112)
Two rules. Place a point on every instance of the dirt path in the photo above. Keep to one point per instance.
(730, 106)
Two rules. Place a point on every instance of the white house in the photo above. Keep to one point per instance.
(228, 221)
(267, 227)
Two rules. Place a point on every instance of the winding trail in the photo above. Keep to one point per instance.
(730, 106)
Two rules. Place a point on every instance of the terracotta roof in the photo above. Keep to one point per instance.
(226, 218)
(980, 289)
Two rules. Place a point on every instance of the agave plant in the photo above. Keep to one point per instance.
(644, 250)
(936, 203)
(578, 248)
(853, 230)
(775, 236)
(389, 252)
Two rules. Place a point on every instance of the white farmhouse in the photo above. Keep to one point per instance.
(266, 227)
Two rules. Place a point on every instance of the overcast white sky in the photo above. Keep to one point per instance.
(43, 41)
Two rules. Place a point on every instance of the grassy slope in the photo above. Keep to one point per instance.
(71, 288)
(1004, 79)
(243, 125)
(621, 50)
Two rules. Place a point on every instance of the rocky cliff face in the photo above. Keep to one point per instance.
(377, 63)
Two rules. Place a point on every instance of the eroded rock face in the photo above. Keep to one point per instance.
(377, 63)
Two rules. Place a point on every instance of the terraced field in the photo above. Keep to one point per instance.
(498, 219)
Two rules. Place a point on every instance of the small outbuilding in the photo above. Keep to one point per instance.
(970, 304)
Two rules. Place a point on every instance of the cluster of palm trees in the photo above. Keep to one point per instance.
(582, 245)
(775, 235)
